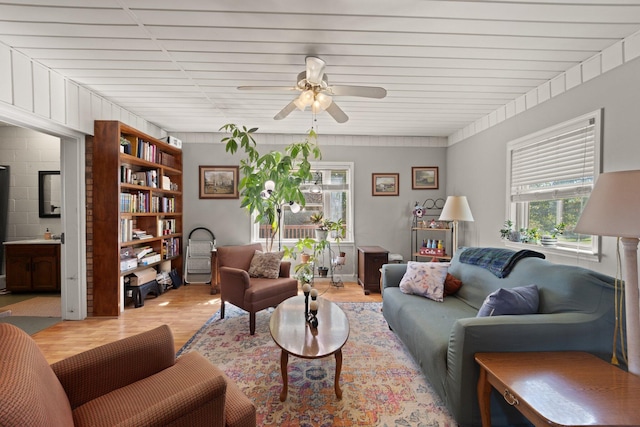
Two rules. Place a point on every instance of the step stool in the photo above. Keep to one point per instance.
(139, 293)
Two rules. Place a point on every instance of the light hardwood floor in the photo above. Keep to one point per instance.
(184, 309)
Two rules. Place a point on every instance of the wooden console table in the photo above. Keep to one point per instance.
(370, 261)
(560, 388)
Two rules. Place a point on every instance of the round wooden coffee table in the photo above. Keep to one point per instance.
(294, 336)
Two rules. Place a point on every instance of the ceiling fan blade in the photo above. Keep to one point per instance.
(315, 69)
(285, 111)
(337, 113)
(268, 88)
(364, 91)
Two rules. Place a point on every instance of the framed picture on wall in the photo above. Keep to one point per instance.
(424, 177)
(219, 182)
(385, 184)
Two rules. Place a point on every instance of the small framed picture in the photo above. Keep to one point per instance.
(424, 177)
(385, 184)
(219, 182)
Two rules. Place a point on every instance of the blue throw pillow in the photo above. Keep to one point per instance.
(521, 300)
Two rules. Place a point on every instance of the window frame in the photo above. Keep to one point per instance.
(323, 165)
(517, 210)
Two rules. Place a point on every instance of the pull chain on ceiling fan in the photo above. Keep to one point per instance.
(315, 92)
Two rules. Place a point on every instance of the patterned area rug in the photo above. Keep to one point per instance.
(381, 384)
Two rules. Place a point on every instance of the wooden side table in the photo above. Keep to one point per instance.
(560, 388)
(370, 261)
(215, 275)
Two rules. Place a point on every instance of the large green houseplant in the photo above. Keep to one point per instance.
(287, 170)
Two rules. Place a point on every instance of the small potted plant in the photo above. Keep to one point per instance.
(322, 230)
(505, 232)
(551, 239)
(337, 229)
(301, 246)
(318, 255)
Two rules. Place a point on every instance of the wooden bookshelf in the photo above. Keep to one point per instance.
(129, 195)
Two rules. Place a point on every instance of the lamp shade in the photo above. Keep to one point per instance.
(613, 206)
(456, 208)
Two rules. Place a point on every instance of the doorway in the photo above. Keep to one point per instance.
(72, 223)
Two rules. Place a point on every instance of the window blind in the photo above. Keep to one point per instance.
(555, 165)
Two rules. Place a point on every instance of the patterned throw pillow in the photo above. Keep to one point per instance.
(265, 264)
(425, 279)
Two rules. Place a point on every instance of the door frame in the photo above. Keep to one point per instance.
(73, 262)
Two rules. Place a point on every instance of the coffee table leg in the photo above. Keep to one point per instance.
(338, 370)
(284, 361)
(484, 397)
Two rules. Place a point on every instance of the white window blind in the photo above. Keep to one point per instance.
(557, 164)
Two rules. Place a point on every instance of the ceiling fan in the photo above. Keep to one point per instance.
(315, 92)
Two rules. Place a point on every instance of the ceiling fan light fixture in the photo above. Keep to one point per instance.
(316, 107)
(299, 104)
(307, 97)
(324, 100)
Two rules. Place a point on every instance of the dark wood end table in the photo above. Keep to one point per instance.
(560, 388)
(294, 336)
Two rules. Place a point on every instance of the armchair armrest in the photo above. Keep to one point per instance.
(98, 371)
(285, 269)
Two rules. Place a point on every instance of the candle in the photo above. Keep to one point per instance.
(313, 305)
(314, 293)
(306, 288)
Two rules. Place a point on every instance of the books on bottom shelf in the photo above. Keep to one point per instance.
(150, 258)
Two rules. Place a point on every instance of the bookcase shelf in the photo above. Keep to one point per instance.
(138, 191)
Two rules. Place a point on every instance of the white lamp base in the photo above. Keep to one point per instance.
(632, 303)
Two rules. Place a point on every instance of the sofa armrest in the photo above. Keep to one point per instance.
(392, 275)
(535, 332)
(98, 371)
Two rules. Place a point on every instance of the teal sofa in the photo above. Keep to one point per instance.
(576, 312)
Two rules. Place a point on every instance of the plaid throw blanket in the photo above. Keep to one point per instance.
(497, 260)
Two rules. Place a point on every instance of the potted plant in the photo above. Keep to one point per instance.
(318, 255)
(301, 246)
(287, 170)
(529, 235)
(505, 232)
(322, 230)
(337, 229)
(551, 239)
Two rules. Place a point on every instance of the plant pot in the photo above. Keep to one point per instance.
(340, 260)
(342, 254)
(304, 258)
(321, 234)
(323, 271)
(548, 241)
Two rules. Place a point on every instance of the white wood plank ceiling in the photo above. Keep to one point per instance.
(445, 64)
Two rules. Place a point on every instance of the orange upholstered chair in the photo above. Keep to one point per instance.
(136, 381)
(252, 294)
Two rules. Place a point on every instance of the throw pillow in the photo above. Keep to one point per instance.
(451, 285)
(520, 300)
(265, 264)
(425, 279)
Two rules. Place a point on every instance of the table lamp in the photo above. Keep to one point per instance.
(455, 209)
(612, 210)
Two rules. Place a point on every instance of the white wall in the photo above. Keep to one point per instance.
(476, 166)
(379, 221)
(27, 152)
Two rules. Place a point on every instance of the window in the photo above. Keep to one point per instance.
(334, 200)
(550, 176)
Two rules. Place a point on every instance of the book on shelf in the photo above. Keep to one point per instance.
(166, 227)
(140, 234)
(142, 251)
(171, 247)
(126, 229)
(150, 258)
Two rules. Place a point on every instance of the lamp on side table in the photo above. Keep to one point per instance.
(612, 210)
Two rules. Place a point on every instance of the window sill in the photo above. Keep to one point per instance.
(558, 250)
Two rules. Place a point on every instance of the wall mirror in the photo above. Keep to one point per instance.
(49, 194)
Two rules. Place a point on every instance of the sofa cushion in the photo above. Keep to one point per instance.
(518, 300)
(265, 264)
(425, 279)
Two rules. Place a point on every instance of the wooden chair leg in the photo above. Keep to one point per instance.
(222, 310)
(252, 323)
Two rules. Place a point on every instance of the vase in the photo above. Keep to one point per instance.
(549, 241)
(323, 271)
(321, 234)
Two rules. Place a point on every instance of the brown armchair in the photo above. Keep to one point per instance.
(136, 381)
(251, 293)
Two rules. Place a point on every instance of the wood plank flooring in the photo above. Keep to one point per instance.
(184, 309)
